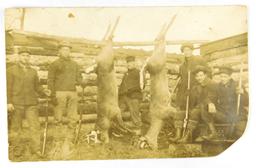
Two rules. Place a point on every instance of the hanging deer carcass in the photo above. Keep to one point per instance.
(108, 111)
(159, 103)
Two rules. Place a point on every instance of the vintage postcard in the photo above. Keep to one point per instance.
(125, 82)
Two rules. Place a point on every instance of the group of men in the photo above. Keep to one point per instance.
(197, 94)
(23, 90)
(198, 100)
(205, 101)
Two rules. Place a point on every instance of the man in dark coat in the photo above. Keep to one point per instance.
(63, 76)
(227, 101)
(130, 93)
(22, 97)
(202, 102)
(188, 66)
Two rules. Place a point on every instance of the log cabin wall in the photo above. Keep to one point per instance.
(228, 52)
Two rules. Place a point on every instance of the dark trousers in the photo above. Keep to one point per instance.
(132, 103)
(29, 114)
(197, 114)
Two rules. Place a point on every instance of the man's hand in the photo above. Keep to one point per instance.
(10, 107)
(239, 90)
(47, 92)
(211, 108)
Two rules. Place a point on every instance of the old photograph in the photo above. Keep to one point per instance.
(125, 82)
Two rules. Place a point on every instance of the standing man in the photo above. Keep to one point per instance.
(22, 95)
(130, 93)
(63, 76)
(203, 100)
(185, 70)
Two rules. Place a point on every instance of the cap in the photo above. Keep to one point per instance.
(226, 70)
(201, 68)
(130, 58)
(189, 45)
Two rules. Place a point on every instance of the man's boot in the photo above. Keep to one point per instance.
(177, 135)
(213, 134)
(187, 137)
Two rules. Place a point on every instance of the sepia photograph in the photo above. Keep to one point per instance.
(104, 83)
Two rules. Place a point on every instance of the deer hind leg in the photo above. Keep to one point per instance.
(118, 123)
(152, 134)
(102, 126)
(156, 123)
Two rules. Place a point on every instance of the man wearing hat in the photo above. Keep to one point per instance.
(185, 70)
(202, 102)
(63, 76)
(227, 94)
(22, 97)
(130, 93)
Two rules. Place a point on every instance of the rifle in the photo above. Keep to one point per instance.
(142, 71)
(187, 107)
(238, 102)
(45, 125)
(78, 128)
(174, 89)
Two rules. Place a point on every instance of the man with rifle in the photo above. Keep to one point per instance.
(187, 81)
(231, 99)
(22, 98)
(203, 98)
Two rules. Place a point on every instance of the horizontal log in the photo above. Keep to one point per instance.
(121, 69)
(88, 91)
(224, 44)
(236, 59)
(120, 62)
(227, 53)
(54, 40)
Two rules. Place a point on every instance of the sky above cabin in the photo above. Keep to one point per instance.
(136, 24)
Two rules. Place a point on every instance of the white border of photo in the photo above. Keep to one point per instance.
(240, 154)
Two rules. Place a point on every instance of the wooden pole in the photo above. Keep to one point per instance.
(100, 43)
